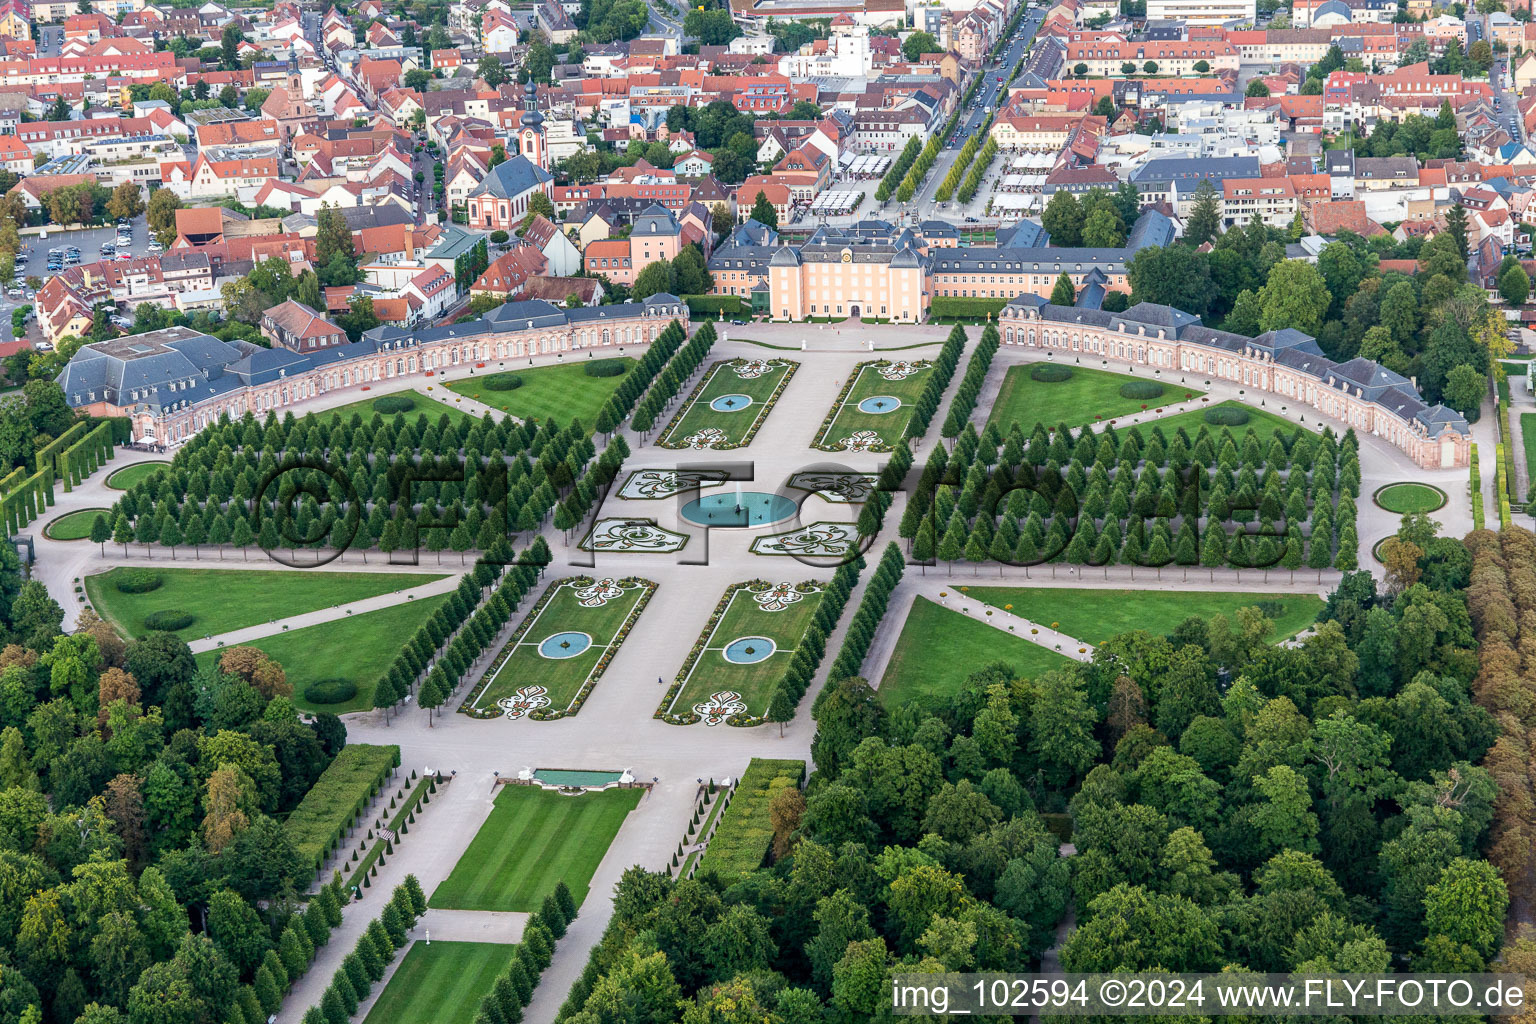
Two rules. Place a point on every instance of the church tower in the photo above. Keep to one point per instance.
(530, 132)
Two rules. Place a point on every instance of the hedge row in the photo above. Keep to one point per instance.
(713, 305)
(861, 630)
(337, 798)
(933, 392)
(677, 371)
(955, 307)
(813, 647)
(592, 485)
(741, 841)
(970, 387)
(365, 966)
(637, 380)
(1477, 492)
(283, 966)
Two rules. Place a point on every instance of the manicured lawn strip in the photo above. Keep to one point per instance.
(1406, 498)
(440, 983)
(130, 476)
(559, 392)
(890, 426)
(337, 797)
(712, 673)
(75, 525)
(704, 827)
(739, 425)
(424, 405)
(562, 677)
(1096, 615)
(741, 841)
(228, 599)
(1528, 439)
(358, 647)
(534, 839)
(1263, 423)
(939, 649)
(1078, 400)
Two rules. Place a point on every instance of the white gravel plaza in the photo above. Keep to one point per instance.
(616, 728)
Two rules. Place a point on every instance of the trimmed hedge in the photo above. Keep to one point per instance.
(714, 305)
(330, 691)
(503, 382)
(390, 404)
(1141, 389)
(169, 620)
(1050, 373)
(605, 368)
(741, 841)
(337, 798)
(137, 581)
(1226, 417)
(963, 308)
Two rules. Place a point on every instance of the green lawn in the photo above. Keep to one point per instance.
(430, 406)
(890, 425)
(130, 476)
(1088, 395)
(737, 424)
(939, 649)
(75, 525)
(1262, 422)
(1528, 439)
(1097, 615)
(712, 672)
(441, 983)
(524, 662)
(226, 599)
(562, 392)
(1406, 498)
(535, 839)
(359, 648)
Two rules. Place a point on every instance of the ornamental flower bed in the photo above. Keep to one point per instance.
(665, 439)
(648, 588)
(821, 440)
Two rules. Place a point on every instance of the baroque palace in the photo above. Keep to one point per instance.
(172, 383)
(1287, 364)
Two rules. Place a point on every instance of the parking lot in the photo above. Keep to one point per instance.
(88, 242)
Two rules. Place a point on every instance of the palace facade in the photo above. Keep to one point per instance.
(1286, 364)
(171, 383)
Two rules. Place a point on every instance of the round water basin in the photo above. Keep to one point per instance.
(878, 404)
(564, 645)
(748, 509)
(749, 650)
(730, 403)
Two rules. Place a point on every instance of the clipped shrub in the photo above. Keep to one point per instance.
(137, 581)
(605, 368)
(169, 620)
(330, 691)
(1226, 417)
(391, 404)
(503, 382)
(1050, 373)
(1141, 389)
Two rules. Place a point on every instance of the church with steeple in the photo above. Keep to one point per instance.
(500, 201)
